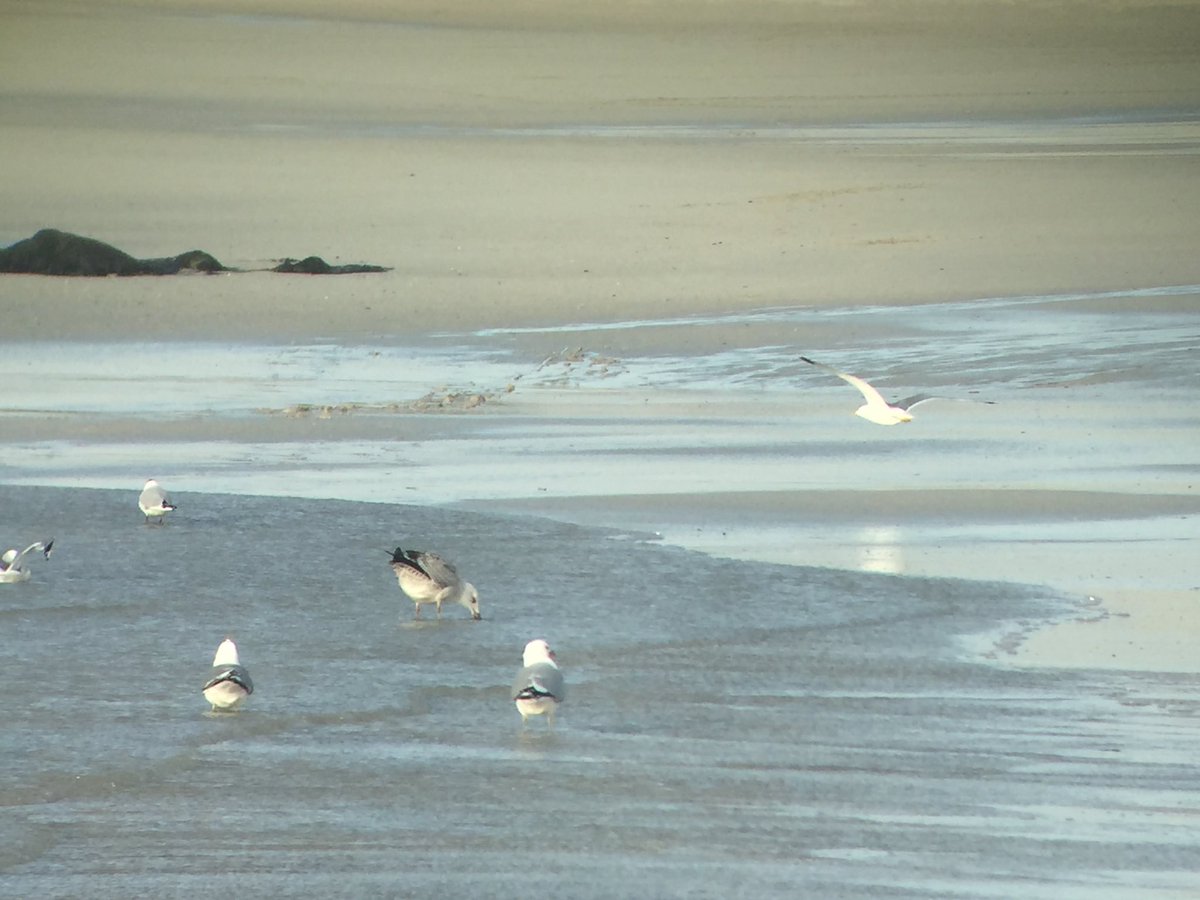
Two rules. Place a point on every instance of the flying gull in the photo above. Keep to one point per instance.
(427, 578)
(876, 409)
(538, 687)
(230, 683)
(154, 502)
(11, 570)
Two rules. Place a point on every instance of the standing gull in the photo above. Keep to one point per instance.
(876, 409)
(230, 683)
(538, 687)
(11, 570)
(427, 578)
(154, 502)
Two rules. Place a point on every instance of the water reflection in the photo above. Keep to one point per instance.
(879, 549)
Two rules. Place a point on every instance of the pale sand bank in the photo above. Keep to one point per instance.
(552, 163)
(1139, 630)
(485, 234)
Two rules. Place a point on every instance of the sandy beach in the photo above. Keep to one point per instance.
(654, 160)
(648, 161)
(994, 201)
(572, 164)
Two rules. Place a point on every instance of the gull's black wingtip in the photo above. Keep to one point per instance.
(811, 362)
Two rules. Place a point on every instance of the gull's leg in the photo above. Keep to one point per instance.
(442, 596)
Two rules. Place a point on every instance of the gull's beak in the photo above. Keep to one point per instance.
(475, 615)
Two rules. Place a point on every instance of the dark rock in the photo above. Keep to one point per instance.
(314, 265)
(192, 261)
(54, 252)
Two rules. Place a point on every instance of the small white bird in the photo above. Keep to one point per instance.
(876, 409)
(154, 502)
(538, 687)
(230, 683)
(427, 578)
(11, 570)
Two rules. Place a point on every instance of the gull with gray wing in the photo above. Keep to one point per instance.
(538, 688)
(427, 578)
(230, 683)
(12, 567)
(877, 409)
(154, 502)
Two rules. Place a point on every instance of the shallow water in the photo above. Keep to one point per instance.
(988, 348)
(1093, 392)
(732, 728)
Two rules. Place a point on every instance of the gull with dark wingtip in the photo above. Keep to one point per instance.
(230, 683)
(877, 409)
(427, 578)
(154, 502)
(11, 568)
(538, 688)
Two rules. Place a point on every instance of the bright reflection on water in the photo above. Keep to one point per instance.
(880, 550)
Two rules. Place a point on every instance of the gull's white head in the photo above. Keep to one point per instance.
(538, 652)
(8, 557)
(469, 597)
(227, 654)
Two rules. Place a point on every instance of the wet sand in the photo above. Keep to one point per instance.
(549, 166)
(991, 201)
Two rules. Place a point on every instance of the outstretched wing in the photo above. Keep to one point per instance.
(872, 396)
(909, 402)
(43, 547)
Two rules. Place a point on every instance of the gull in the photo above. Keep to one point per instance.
(154, 502)
(230, 683)
(427, 578)
(876, 409)
(11, 570)
(538, 687)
